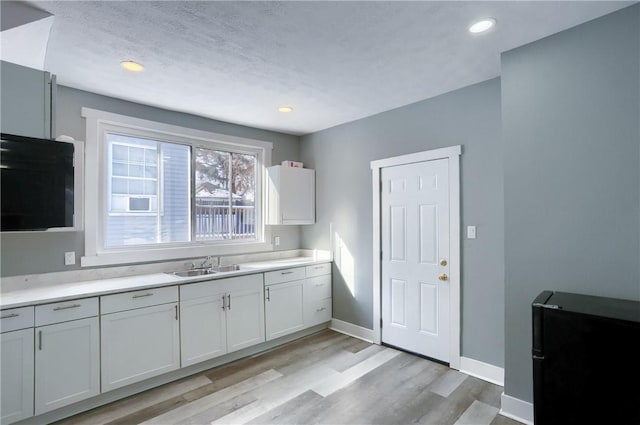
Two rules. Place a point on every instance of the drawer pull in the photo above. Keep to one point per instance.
(286, 272)
(9, 316)
(148, 294)
(319, 267)
(67, 307)
(320, 309)
(320, 284)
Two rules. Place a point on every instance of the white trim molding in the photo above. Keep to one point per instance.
(452, 153)
(485, 371)
(516, 409)
(351, 330)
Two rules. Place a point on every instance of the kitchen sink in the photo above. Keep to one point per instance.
(195, 272)
(227, 268)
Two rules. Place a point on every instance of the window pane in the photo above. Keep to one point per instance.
(119, 186)
(138, 214)
(136, 155)
(243, 172)
(212, 194)
(120, 153)
(136, 170)
(120, 169)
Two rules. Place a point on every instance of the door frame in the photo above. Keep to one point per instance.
(452, 153)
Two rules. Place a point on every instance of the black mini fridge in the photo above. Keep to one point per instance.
(586, 359)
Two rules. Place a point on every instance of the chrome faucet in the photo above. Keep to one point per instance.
(206, 264)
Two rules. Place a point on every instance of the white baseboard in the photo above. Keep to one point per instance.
(516, 409)
(352, 330)
(484, 371)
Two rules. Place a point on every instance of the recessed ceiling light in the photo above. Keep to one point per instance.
(285, 109)
(482, 25)
(132, 66)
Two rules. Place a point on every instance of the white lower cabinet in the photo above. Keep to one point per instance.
(245, 314)
(220, 316)
(139, 344)
(203, 327)
(283, 308)
(16, 375)
(66, 363)
(317, 295)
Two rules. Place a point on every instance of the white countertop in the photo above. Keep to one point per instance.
(92, 288)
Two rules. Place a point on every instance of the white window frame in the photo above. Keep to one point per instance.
(98, 124)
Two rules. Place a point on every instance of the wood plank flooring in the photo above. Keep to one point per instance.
(325, 378)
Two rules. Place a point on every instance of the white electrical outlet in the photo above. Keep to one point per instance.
(471, 232)
(276, 241)
(69, 258)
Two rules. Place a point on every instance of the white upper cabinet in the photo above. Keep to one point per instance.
(27, 97)
(291, 195)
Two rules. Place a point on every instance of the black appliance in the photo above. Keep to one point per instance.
(36, 183)
(586, 359)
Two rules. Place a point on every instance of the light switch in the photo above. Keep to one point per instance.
(471, 232)
(276, 241)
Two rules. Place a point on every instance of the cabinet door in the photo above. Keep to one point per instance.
(139, 344)
(67, 363)
(297, 196)
(16, 354)
(203, 329)
(283, 308)
(26, 101)
(245, 318)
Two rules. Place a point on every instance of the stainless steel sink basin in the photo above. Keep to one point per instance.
(228, 268)
(195, 272)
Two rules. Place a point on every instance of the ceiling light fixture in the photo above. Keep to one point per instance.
(482, 25)
(285, 109)
(132, 66)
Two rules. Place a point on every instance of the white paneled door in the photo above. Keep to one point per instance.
(415, 235)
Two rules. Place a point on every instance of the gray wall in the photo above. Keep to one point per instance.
(26, 253)
(341, 157)
(571, 140)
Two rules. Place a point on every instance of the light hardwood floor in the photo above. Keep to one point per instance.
(325, 378)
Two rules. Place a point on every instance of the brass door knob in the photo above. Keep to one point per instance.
(443, 277)
(443, 262)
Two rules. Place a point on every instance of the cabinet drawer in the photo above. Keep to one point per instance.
(317, 288)
(318, 269)
(200, 290)
(48, 314)
(16, 318)
(283, 276)
(317, 312)
(138, 299)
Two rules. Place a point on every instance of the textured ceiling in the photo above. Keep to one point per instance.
(333, 62)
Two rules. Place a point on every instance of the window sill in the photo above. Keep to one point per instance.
(148, 255)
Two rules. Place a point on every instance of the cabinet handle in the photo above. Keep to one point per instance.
(40, 340)
(229, 301)
(268, 294)
(176, 307)
(319, 284)
(224, 302)
(286, 272)
(320, 309)
(9, 316)
(67, 307)
(318, 267)
(148, 294)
